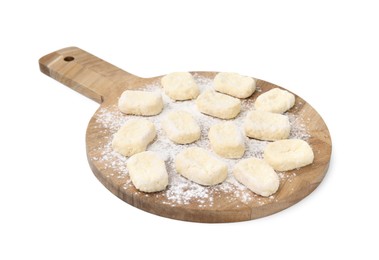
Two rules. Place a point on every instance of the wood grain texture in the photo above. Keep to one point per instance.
(103, 82)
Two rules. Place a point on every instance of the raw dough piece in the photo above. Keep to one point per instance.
(226, 140)
(134, 136)
(275, 100)
(181, 127)
(266, 126)
(234, 84)
(199, 166)
(143, 103)
(147, 172)
(257, 175)
(285, 155)
(218, 105)
(180, 86)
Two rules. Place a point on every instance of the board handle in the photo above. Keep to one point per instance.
(86, 73)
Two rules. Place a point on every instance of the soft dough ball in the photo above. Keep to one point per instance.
(218, 105)
(275, 100)
(266, 126)
(180, 86)
(226, 140)
(234, 84)
(147, 172)
(143, 103)
(257, 175)
(198, 165)
(181, 127)
(285, 155)
(133, 137)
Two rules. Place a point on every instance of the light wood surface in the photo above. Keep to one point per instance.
(103, 83)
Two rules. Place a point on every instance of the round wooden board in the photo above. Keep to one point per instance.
(104, 83)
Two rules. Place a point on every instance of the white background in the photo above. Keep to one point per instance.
(52, 206)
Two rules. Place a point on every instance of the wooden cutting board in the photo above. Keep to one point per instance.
(104, 83)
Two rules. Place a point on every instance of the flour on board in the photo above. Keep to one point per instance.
(181, 191)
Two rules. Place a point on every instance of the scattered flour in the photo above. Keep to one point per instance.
(181, 191)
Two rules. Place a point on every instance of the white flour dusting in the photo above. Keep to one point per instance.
(180, 190)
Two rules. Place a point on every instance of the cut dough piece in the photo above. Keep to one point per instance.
(147, 172)
(142, 103)
(180, 86)
(285, 155)
(266, 126)
(181, 127)
(218, 105)
(226, 140)
(134, 136)
(234, 84)
(257, 175)
(199, 166)
(275, 100)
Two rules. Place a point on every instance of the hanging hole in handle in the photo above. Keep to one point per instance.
(68, 58)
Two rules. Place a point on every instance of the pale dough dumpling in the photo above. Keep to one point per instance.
(218, 105)
(134, 136)
(226, 140)
(181, 127)
(275, 100)
(257, 175)
(180, 86)
(198, 165)
(142, 103)
(266, 126)
(147, 172)
(234, 84)
(285, 155)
